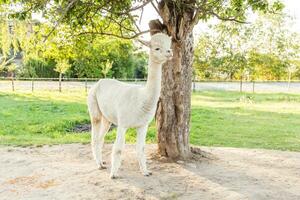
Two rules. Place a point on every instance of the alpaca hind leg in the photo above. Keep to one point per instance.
(117, 151)
(96, 117)
(96, 142)
(104, 127)
(140, 149)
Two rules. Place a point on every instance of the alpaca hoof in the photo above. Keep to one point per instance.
(101, 166)
(148, 173)
(113, 176)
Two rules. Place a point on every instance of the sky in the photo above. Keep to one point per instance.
(292, 8)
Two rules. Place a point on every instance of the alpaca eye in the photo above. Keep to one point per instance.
(157, 49)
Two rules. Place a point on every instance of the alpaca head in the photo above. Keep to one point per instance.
(160, 47)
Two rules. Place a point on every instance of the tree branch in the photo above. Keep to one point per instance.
(131, 9)
(5, 62)
(140, 6)
(58, 22)
(195, 19)
(71, 4)
(113, 34)
(228, 18)
(154, 6)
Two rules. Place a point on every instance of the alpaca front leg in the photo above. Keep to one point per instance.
(140, 149)
(117, 151)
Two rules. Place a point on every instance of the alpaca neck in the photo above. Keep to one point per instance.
(153, 84)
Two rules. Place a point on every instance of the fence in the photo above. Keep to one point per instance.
(9, 83)
(67, 84)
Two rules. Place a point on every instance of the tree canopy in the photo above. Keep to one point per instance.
(119, 17)
(86, 55)
(264, 50)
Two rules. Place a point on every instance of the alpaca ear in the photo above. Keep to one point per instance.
(146, 43)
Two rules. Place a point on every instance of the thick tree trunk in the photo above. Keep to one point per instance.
(173, 112)
(173, 109)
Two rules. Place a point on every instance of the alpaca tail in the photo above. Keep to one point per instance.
(93, 106)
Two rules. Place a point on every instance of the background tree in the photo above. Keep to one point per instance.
(263, 49)
(9, 41)
(107, 67)
(92, 53)
(224, 50)
(59, 48)
(61, 67)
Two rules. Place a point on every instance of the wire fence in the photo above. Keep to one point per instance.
(52, 84)
(69, 84)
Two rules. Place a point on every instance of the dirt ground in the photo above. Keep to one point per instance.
(68, 172)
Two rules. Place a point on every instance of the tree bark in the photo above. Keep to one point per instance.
(173, 110)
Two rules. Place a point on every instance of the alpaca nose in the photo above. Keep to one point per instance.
(169, 53)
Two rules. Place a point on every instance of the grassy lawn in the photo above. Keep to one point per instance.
(219, 118)
(270, 121)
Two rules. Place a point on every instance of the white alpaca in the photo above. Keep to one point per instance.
(127, 106)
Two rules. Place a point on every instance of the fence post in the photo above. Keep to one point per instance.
(59, 82)
(289, 81)
(12, 83)
(241, 85)
(253, 86)
(85, 85)
(32, 85)
(194, 86)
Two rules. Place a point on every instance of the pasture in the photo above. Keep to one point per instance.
(219, 118)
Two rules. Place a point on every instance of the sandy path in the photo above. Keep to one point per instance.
(68, 172)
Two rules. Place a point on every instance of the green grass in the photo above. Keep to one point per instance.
(270, 121)
(231, 119)
(41, 118)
